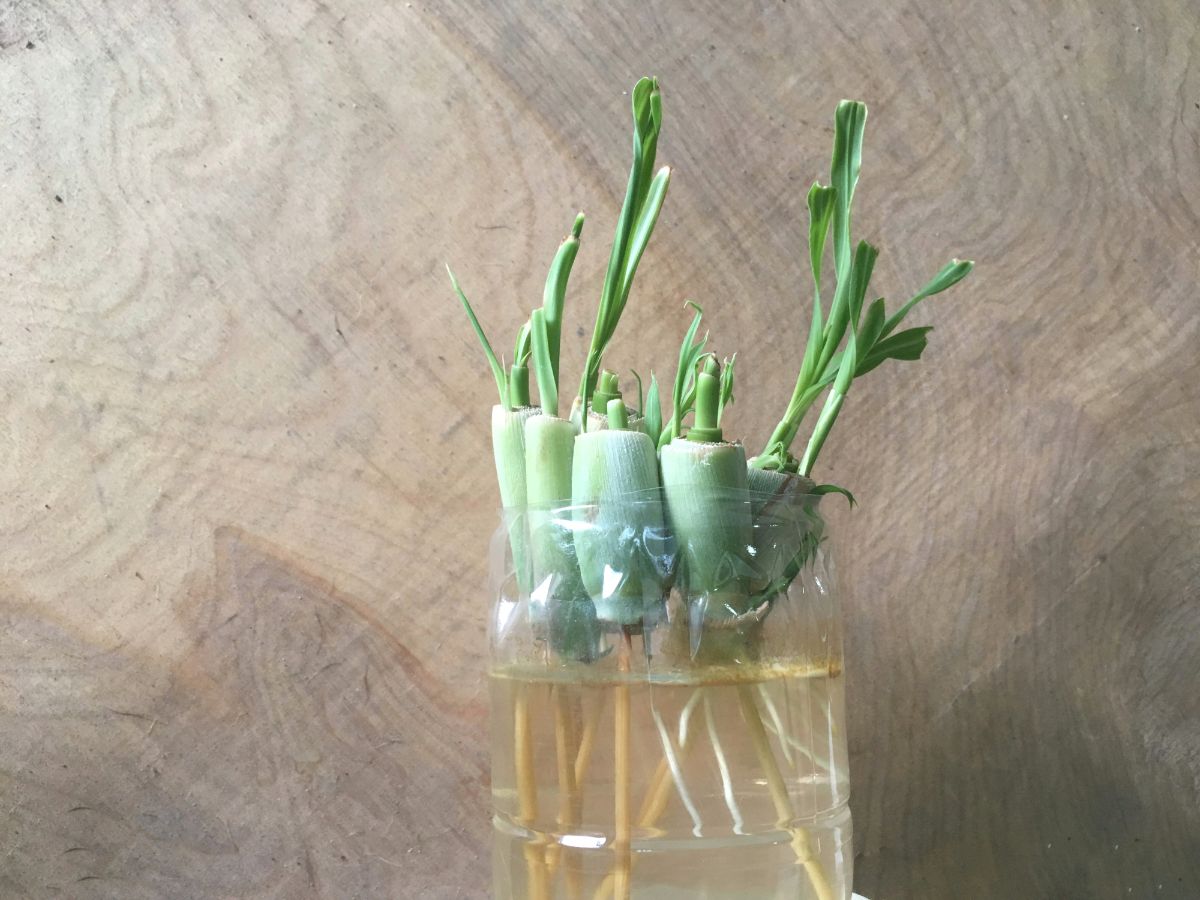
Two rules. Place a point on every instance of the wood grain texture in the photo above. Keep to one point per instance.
(245, 473)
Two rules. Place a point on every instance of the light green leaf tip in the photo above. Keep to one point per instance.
(497, 369)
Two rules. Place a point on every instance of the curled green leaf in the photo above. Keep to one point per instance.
(821, 489)
(726, 397)
(949, 275)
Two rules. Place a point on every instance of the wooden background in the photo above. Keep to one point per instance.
(243, 446)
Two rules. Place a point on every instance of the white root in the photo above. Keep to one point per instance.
(677, 773)
(801, 841)
(726, 781)
(777, 724)
(686, 715)
(787, 742)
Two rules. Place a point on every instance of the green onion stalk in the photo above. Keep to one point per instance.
(557, 598)
(615, 471)
(508, 437)
(784, 509)
(644, 197)
(705, 484)
(683, 395)
(781, 485)
(615, 490)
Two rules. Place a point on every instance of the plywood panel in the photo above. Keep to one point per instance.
(245, 475)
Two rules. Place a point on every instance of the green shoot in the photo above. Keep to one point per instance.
(820, 211)
(873, 343)
(870, 339)
(607, 388)
(702, 482)
(833, 405)
(826, 206)
(726, 386)
(652, 416)
(554, 296)
(518, 379)
(497, 369)
(876, 342)
(708, 403)
(849, 123)
(548, 321)
(521, 349)
(643, 200)
(543, 364)
(951, 274)
(641, 408)
(690, 353)
(618, 415)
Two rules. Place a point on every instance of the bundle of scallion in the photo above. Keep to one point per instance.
(617, 516)
(633, 472)
(828, 366)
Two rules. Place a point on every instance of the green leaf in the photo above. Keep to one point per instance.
(849, 123)
(639, 212)
(831, 369)
(904, 345)
(647, 119)
(521, 351)
(829, 414)
(821, 201)
(860, 277)
(497, 369)
(641, 395)
(726, 396)
(555, 293)
(774, 456)
(824, 337)
(847, 309)
(647, 218)
(820, 210)
(833, 405)
(872, 325)
(822, 489)
(652, 415)
(690, 353)
(951, 274)
(543, 369)
(845, 375)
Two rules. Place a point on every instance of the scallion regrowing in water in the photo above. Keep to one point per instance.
(644, 197)
(599, 491)
(704, 480)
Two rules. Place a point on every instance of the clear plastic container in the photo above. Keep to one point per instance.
(668, 703)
